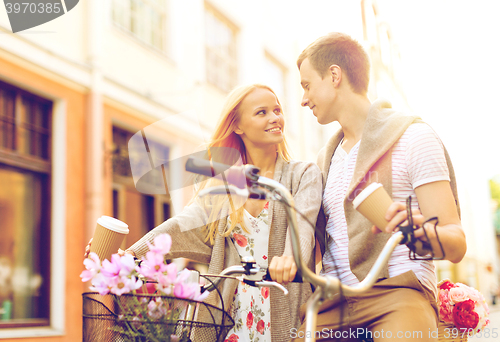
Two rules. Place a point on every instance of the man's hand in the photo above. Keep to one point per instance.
(282, 269)
(435, 200)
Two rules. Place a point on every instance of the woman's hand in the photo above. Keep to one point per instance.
(122, 252)
(87, 249)
(282, 269)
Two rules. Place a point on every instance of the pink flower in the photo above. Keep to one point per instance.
(188, 290)
(445, 309)
(240, 240)
(156, 308)
(260, 327)
(162, 244)
(152, 266)
(112, 269)
(92, 265)
(471, 292)
(125, 285)
(101, 284)
(458, 294)
(166, 280)
(462, 306)
(127, 263)
(265, 292)
(87, 275)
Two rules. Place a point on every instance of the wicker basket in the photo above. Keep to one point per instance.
(449, 333)
(103, 320)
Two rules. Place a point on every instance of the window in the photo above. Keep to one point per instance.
(274, 73)
(220, 40)
(144, 19)
(141, 210)
(25, 202)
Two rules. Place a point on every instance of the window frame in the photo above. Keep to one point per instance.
(125, 23)
(229, 62)
(122, 183)
(15, 160)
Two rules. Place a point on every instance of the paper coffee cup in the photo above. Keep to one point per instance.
(108, 237)
(373, 203)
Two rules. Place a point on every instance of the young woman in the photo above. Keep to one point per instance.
(252, 122)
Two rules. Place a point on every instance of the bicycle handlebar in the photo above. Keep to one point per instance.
(248, 268)
(276, 191)
(296, 279)
(326, 285)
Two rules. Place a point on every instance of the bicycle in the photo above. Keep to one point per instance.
(258, 187)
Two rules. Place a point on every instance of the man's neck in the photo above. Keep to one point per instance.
(352, 119)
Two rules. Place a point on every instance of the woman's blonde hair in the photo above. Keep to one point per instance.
(224, 136)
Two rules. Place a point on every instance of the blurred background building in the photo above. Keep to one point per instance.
(74, 91)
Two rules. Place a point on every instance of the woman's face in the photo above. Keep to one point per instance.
(261, 119)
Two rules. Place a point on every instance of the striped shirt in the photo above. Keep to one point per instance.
(417, 158)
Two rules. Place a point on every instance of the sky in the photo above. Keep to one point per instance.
(450, 67)
(450, 56)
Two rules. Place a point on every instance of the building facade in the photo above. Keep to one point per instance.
(76, 92)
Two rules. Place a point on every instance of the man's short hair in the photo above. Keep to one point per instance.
(339, 49)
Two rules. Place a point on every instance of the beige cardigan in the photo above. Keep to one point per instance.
(383, 128)
(304, 181)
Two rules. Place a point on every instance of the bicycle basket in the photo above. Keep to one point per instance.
(147, 317)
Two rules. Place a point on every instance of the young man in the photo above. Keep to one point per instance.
(376, 144)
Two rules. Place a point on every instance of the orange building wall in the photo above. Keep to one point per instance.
(75, 190)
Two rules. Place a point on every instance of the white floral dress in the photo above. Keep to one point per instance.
(251, 308)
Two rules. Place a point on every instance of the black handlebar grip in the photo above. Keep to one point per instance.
(199, 166)
(421, 248)
(297, 279)
(235, 175)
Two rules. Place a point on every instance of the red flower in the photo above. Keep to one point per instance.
(150, 288)
(249, 320)
(447, 285)
(232, 338)
(464, 315)
(266, 206)
(240, 240)
(265, 292)
(260, 327)
(264, 257)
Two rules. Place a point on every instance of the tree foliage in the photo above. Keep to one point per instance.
(495, 191)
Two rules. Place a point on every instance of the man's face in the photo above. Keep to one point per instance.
(319, 93)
